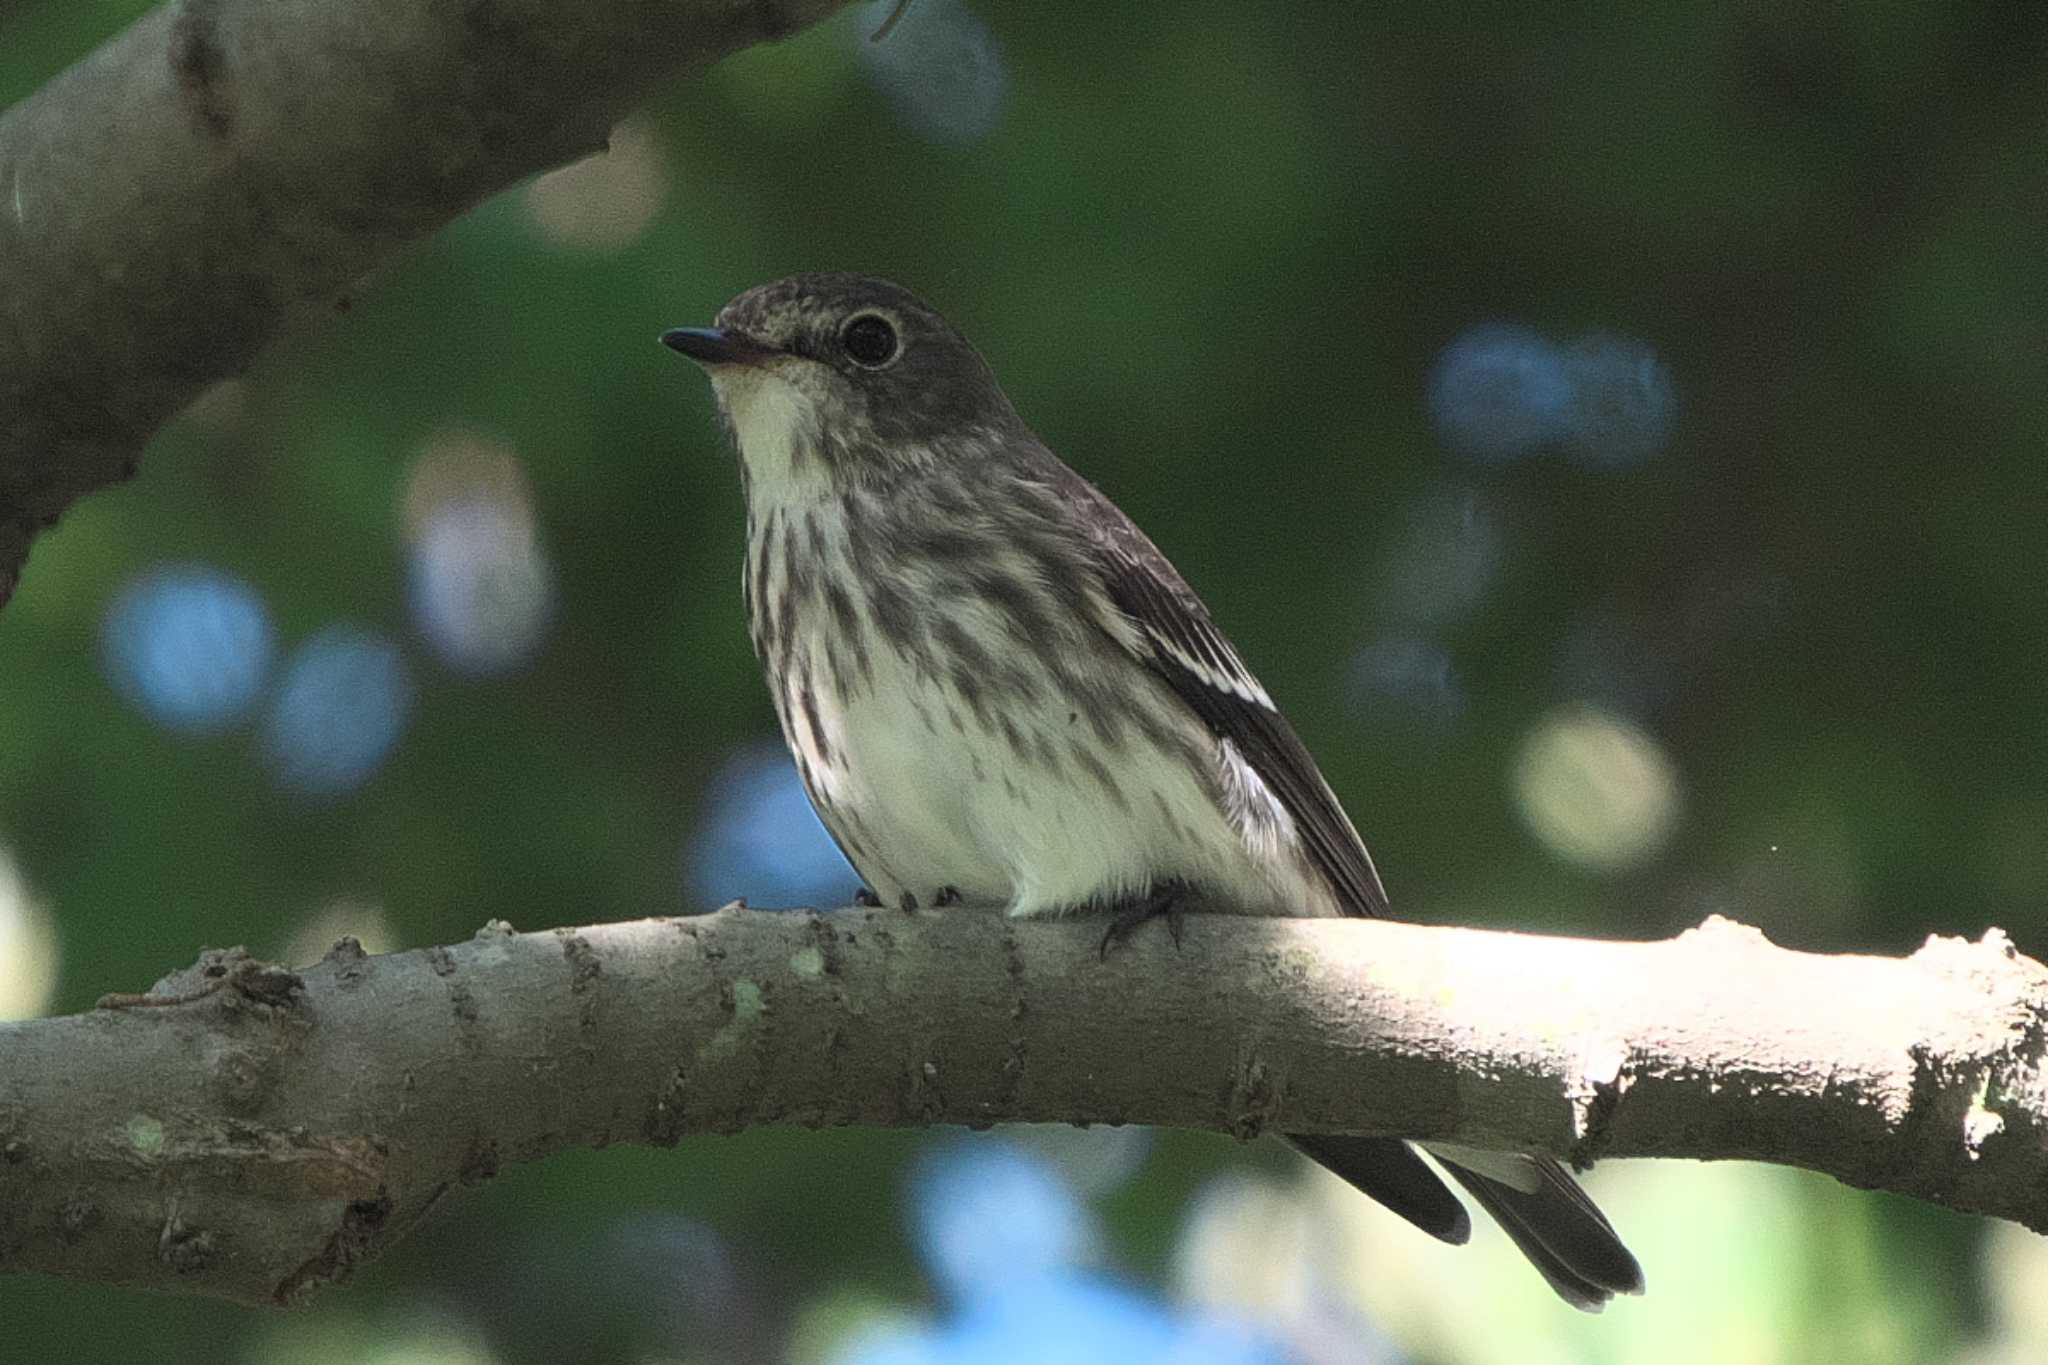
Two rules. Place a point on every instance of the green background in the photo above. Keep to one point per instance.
(1213, 250)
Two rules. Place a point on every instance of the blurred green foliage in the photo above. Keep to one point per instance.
(1213, 249)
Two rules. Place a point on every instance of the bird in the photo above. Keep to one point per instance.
(998, 692)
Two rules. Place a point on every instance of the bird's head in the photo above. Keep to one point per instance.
(831, 379)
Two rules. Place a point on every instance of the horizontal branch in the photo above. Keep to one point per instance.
(170, 200)
(254, 1133)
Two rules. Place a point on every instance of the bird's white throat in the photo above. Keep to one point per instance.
(776, 425)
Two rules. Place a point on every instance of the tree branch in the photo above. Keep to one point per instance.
(167, 203)
(252, 1133)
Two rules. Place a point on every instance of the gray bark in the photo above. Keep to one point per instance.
(223, 166)
(252, 1133)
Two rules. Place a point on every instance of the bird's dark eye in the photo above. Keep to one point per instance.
(870, 341)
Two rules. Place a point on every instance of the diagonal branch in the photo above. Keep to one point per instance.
(247, 1132)
(168, 202)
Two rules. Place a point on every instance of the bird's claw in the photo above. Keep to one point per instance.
(1126, 918)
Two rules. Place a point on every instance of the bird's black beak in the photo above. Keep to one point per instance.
(717, 346)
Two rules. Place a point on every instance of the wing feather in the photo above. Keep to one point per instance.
(1184, 647)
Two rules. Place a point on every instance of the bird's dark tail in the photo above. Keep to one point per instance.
(1390, 1171)
(1560, 1230)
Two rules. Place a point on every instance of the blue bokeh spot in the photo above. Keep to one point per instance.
(1006, 1239)
(344, 701)
(760, 841)
(1413, 672)
(1072, 1318)
(985, 1211)
(189, 646)
(942, 71)
(1499, 392)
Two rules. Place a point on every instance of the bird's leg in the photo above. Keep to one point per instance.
(1125, 916)
(867, 899)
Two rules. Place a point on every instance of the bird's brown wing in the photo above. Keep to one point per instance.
(1184, 647)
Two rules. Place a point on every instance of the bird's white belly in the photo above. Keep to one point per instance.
(905, 784)
(927, 801)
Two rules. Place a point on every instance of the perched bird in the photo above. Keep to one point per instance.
(999, 693)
